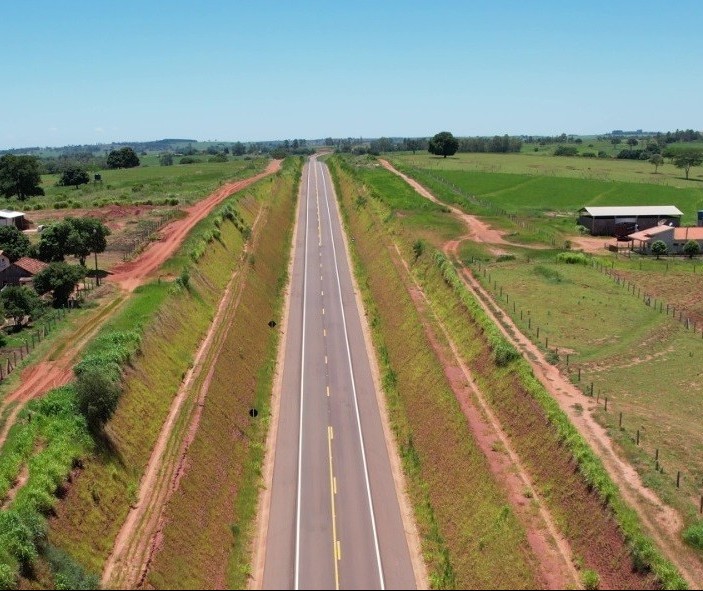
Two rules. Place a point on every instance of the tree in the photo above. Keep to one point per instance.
(688, 159)
(13, 243)
(443, 144)
(78, 237)
(20, 301)
(615, 141)
(74, 176)
(60, 279)
(239, 149)
(632, 142)
(19, 175)
(659, 248)
(122, 158)
(166, 159)
(97, 396)
(656, 160)
(691, 249)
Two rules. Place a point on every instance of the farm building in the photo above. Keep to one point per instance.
(20, 272)
(610, 221)
(13, 218)
(674, 238)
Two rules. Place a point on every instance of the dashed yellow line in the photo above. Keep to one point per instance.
(336, 547)
(324, 332)
(325, 359)
(328, 391)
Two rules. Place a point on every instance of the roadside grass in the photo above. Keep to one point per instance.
(470, 536)
(432, 222)
(173, 320)
(209, 523)
(644, 361)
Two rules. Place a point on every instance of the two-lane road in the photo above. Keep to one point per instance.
(334, 520)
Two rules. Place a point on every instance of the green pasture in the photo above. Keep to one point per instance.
(184, 182)
(647, 363)
(543, 163)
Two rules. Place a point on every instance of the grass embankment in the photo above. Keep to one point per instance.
(543, 436)
(643, 366)
(172, 317)
(209, 522)
(470, 536)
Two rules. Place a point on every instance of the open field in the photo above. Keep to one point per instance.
(543, 164)
(498, 384)
(642, 359)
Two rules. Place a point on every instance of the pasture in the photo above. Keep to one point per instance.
(643, 359)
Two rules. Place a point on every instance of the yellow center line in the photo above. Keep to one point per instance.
(336, 550)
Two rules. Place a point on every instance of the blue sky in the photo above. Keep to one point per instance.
(101, 71)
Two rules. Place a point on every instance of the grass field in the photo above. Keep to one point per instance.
(544, 164)
(642, 359)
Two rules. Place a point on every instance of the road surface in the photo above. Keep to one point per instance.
(334, 520)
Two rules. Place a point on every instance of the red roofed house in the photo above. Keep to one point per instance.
(674, 237)
(20, 272)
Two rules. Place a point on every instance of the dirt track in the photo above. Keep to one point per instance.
(661, 522)
(56, 369)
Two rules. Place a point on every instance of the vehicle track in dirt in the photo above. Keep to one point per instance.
(661, 522)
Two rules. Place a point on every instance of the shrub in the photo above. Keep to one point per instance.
(183, 280)
(505, 257)
(549, 274)
(693, 535)
(572, 258)
(418, 248)
(590, 579)
(188, 160)
(566, 151)
(97, 397)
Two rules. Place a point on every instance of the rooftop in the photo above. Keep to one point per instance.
(6, 213)
(629, 211)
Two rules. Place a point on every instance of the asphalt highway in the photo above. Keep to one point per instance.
(334, 519)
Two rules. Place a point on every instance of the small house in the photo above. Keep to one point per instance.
(20, 272)
(607, 221)
(674, 238)
(13, 218)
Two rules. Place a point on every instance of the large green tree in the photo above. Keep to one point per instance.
(659, 248)
(78, 237)
(13, 243)
(97, 396)
(656, 160)
(443, 144)
(19, 176)
(73, 176)
(688, 159)
(122, 158)
(60, 279)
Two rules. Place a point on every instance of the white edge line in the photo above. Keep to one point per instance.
(353, 382)
(302, 382)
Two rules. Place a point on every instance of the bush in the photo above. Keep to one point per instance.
(97, 397)
(505, 257)
(590, 579)
(572, 258)
(188, 160)
(693, 535)
(566, 151)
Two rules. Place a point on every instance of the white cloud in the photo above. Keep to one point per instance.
(99, 130)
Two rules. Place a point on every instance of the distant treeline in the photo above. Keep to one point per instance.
(495, 144)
